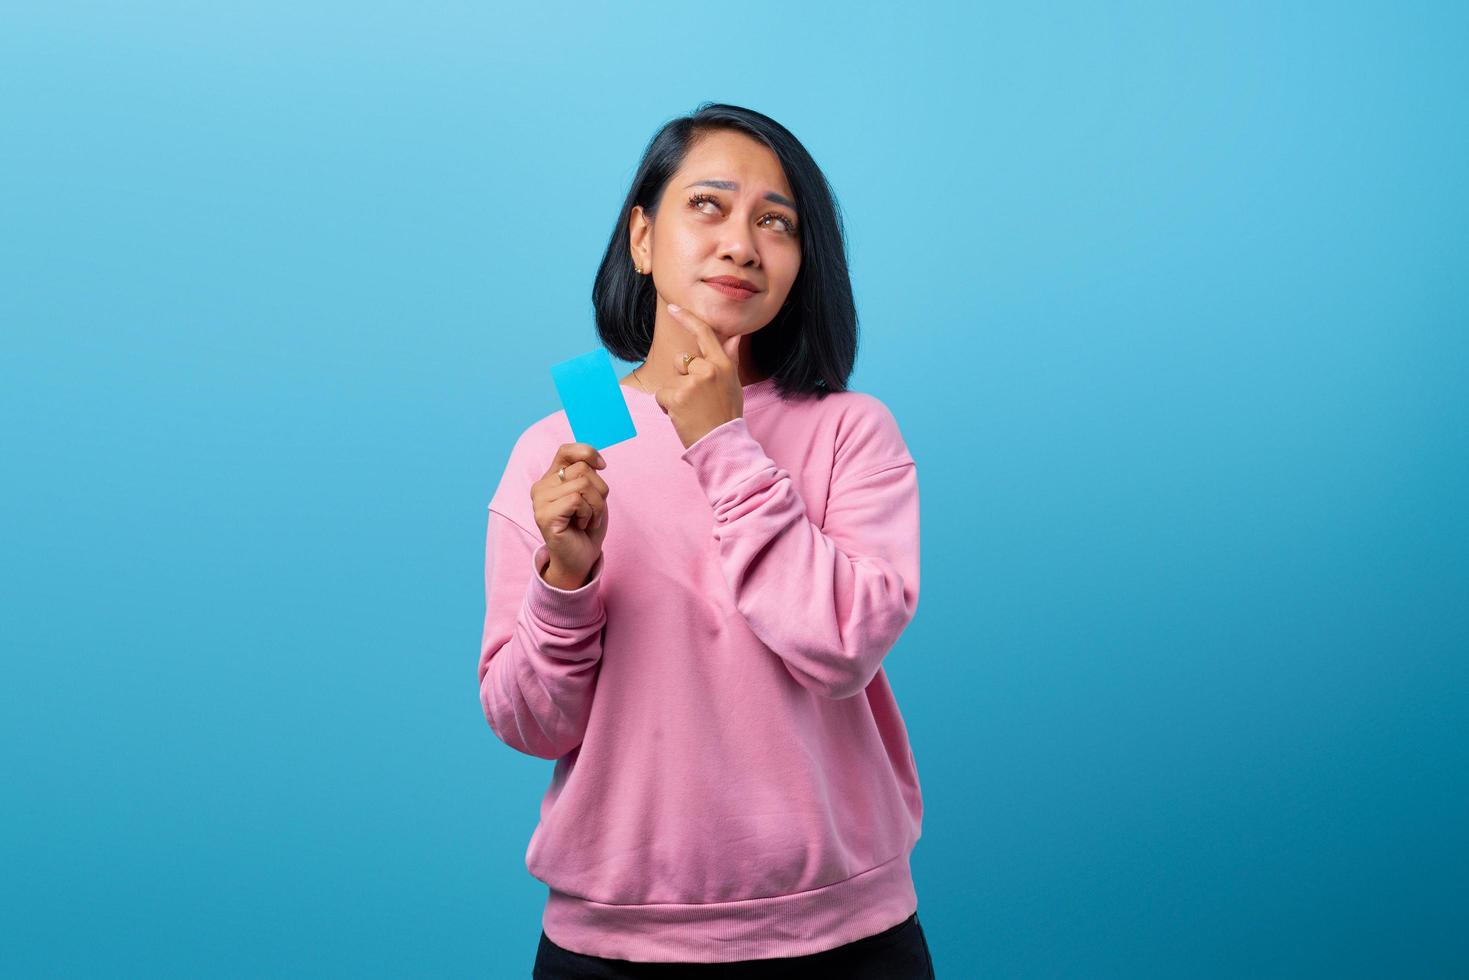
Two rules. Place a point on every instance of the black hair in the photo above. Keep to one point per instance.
(810, 345)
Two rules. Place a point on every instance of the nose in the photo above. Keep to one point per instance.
(738, 246)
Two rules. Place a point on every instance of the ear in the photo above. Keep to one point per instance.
(639, 230)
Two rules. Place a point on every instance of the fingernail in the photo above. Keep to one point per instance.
(674, 307)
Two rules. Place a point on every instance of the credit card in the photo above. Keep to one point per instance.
(592, 398)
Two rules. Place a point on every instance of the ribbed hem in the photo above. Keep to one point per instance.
(725, 932)
(564, 608)
(725, 456)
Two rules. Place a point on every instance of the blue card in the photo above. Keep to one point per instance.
(593, 400)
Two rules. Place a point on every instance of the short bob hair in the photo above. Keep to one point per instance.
(810, 345)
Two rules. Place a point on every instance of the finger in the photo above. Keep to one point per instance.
(699, 368)
(731, 347)
(597, 506)
(585, 500)
(582, 470)
(573, 452)
(703, 333)
(576, 506)
(582, 486)
(570, 511)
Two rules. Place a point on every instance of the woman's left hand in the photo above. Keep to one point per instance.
(708, 393)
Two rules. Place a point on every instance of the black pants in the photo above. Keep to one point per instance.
(899, 953)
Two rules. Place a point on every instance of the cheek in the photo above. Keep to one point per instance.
(791, 263)
(676, 242)
(689, 252)
(790, 273)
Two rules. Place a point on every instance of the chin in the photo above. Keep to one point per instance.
(718, 324)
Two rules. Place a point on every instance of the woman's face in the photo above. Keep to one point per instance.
(728, 211)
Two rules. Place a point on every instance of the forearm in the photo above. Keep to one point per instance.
(829, 602)
(540, 646)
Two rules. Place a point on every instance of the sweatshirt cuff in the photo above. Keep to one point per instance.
(565, 608)
(725, 456)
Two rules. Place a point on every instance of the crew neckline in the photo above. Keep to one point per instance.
(756, 394)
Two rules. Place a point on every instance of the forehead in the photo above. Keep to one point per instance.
(725, 155)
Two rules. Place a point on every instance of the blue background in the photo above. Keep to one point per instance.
(1170, 303)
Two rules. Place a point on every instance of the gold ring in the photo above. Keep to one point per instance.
(561, 474)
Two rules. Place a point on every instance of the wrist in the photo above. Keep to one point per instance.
(561, 578)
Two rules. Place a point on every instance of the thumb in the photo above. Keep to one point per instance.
(731, 347)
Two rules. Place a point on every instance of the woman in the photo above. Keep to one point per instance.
(734, 793)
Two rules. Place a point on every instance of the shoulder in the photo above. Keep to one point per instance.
(526, 463)
(867, 434)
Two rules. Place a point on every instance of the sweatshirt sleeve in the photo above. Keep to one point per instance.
(830, 601)
(541, 646)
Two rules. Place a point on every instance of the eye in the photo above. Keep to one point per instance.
(699, 199)
(790, 225)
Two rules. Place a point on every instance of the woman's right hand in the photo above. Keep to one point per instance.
(572, 514)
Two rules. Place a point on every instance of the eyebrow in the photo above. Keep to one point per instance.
(729, 185)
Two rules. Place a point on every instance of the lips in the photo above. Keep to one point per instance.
(734, 293)
(733, 282)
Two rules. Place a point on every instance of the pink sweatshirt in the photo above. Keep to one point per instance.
(733, 779)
